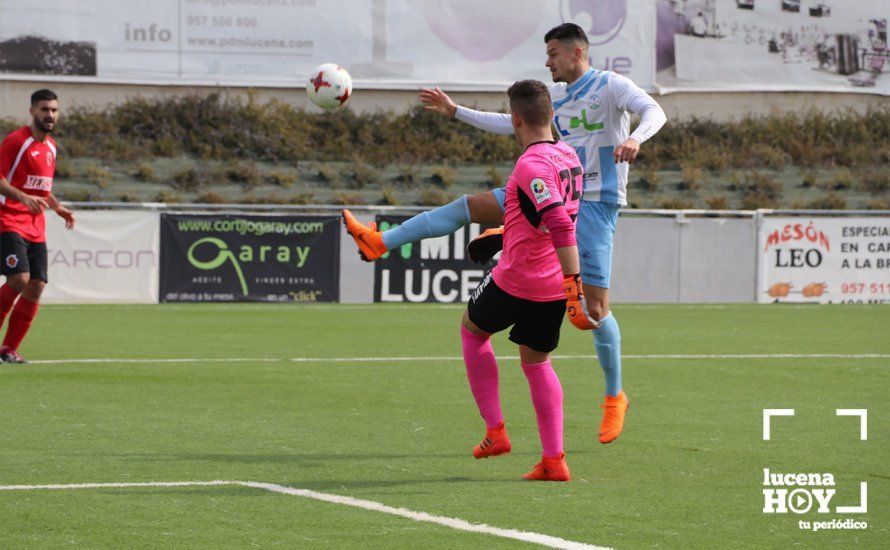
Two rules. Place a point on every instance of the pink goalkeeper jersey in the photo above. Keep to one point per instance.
(548, 175)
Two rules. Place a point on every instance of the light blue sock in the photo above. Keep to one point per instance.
(607, 341)
(444, 220)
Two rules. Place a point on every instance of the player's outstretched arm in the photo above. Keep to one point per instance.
(434, 99)
(438, 101)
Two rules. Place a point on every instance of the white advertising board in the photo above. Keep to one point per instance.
(109, 256)
(824, 260)
(384, 44)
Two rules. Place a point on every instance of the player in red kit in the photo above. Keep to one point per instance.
(27, 166)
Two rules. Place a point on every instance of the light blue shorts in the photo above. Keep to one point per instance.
(594, 230)
(501, 195)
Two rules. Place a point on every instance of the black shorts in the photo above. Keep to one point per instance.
(535, 324)
(21, 256)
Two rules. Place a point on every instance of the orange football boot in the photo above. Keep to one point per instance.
(551, 468)
(495, 443)
(366, 237)
(613, 417)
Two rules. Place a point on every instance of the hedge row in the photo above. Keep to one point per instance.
(217, 127)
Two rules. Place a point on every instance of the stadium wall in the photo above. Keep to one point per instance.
(720, 106)
(672, 258)
(356, 276)
(138, 256)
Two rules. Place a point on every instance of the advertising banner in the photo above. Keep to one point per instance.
(824, 260)
(383, 43)
(432, 270)
(773, 45)
(109, 256)
(240, 258)
(671, 45)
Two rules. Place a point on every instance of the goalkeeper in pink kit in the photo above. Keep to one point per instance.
(535, 283)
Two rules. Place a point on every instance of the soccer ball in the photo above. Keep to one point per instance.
(329, 86)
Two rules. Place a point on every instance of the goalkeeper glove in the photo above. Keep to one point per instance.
(576, 306)
(485, 246)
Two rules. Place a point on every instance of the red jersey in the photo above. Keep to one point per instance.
(28, 165)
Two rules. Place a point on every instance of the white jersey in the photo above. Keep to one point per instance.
(592, 115)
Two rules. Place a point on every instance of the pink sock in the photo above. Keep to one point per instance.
(547, 399)
(482, 372)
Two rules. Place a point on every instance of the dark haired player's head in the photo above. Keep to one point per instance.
(44, 110)
(43, 95)
(568, 51)
(532, 111)
(569, 33)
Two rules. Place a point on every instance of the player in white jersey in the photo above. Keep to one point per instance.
(592, 113)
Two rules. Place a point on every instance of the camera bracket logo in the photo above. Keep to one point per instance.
(800, 493)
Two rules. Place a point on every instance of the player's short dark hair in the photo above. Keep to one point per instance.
(530, 99)
(43, 95)
(567, 32)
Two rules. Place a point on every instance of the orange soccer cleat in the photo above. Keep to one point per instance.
(495, 443)
(613, 417)
(366, 237)
(551, 468)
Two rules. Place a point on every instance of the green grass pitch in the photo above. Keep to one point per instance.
(687, 472)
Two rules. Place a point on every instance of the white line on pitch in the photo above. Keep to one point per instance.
(761, 356)
(630, 356)
(57, 487)
(159, 360)
(453, 523)
(418, 359)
